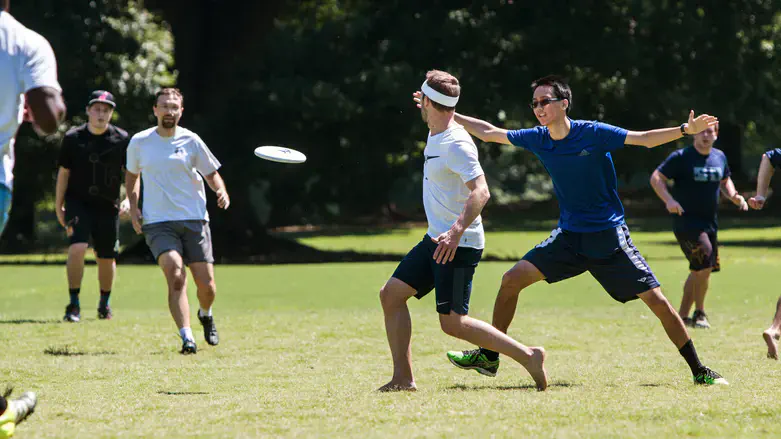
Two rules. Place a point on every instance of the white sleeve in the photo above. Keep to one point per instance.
(133, 163)
(462, 159)
(205, 162)
(40, 66)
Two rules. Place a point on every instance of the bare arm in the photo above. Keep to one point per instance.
(482, 129)
(653, 138)
(63, 176)
(766, 172)
(132, 187)
(659, 183)
(47, 108)
(447, 243)
(217, 184)
(729, 191)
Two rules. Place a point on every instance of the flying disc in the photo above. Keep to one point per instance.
(280, 154)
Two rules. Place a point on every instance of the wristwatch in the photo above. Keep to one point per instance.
(683, 130)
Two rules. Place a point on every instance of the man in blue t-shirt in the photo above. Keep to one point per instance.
(770, 160)
(592, 234)
(699, 172)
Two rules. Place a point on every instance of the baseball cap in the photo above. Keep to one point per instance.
(101, 96)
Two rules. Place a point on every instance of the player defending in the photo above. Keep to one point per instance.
(29, 91)
(700, 172)
(454, 193)
(171, 161)
(92, 159)
(592, 234)
(770, 160)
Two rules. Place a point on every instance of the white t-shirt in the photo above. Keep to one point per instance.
(451, 161)
(26, 62)
(169, 168)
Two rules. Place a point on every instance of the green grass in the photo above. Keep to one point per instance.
(303, 349)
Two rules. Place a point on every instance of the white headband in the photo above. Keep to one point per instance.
(448, 101)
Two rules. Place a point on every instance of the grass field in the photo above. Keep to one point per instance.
(303, 348)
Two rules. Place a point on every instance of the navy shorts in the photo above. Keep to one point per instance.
(608, 255)
(700, 248)
(452, 281)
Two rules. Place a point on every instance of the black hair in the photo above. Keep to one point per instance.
(559, 85)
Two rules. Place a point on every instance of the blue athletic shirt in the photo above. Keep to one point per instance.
(775, 157)
(697, 187)
(582, 170)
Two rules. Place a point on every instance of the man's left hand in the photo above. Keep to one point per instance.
(223, 200)
(740, 202)
(700, 123)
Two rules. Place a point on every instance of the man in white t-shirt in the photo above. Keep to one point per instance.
(29, 91)
(454, 193)
(173, 162)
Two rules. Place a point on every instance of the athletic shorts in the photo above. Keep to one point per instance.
(98, 222)
(700, 248)
(608, 255)
(5, 206)
(192, 239)
(451, 281)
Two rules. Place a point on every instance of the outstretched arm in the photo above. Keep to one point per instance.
(653, 138)
(476, 127)
(729, 191)
(766, 172)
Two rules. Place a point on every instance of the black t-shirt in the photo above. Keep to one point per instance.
(697, 186)
(96, 164)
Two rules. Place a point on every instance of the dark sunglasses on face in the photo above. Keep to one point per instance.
(542, 102)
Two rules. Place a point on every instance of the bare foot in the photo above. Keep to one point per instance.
(536, 368)
(398, 387)
(771, 338)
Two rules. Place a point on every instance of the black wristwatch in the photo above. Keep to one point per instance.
(683, 130)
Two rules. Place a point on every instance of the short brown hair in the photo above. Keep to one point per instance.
(444, 83)
(169, 91)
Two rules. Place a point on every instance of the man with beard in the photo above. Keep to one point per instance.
(173, 162)
(454, 193)
(592, 234)
(87, 204)
(700, 172)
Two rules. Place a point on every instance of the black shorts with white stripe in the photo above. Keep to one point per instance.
(608, 255)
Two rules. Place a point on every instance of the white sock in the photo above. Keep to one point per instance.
(186, 333)
(202, 313)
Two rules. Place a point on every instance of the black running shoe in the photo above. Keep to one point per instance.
(105, 313)
(72, 314)
(708, 377)
(188, 347)
(209, 329)
(688, 322)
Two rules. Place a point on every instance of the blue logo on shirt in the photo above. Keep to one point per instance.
(705, 174)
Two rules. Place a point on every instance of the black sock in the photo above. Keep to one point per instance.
(3, 405)
(74, 292)
(690, 355)
(491, 355)
(104, 296)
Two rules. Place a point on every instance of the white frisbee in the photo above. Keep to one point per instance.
(280, 154)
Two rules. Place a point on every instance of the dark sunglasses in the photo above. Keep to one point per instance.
(543, 102)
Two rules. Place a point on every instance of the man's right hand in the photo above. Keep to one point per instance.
(60, 212)
(757, 202)
(136, 218)
(674, 207)
(417, 96)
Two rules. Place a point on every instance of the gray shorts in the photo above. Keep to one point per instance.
(192, 239)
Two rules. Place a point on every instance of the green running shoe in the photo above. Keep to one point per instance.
(475, 360)
(708, 377)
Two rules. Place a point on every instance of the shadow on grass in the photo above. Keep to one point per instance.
(29, 321)
(165, 392)
(67, 351)
(518, 387)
